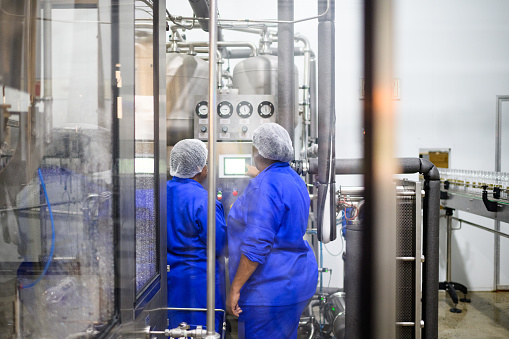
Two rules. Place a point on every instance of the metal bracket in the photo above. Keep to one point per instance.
(491, 206)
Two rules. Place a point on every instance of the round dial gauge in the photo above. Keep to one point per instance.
(266, 109)
(202, 109)
(225, 109)
(244, 109)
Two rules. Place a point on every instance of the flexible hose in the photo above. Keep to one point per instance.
(52, 235)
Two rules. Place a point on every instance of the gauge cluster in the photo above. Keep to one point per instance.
(238, 116)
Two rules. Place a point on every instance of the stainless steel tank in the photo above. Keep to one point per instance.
(186, 77)
(258, 75)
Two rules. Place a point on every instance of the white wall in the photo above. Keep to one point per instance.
(452, 59)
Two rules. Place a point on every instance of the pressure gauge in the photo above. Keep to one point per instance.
(225, 109)
(244, 109)
(202, 109)
(266, 109)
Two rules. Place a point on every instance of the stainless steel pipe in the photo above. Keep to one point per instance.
(211, 213)
(285, 72)
(252, 46)
(326, 108)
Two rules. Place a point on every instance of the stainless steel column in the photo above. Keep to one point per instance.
(285, 72)
(211, 215)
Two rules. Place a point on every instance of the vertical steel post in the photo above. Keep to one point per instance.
(448, 277)
(211, 215)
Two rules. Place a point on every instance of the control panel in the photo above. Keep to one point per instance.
(231, 179)
(238, 116)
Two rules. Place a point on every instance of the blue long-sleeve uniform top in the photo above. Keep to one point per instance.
(267, 224)
(187, 245)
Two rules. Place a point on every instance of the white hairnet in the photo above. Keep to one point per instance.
(187, 158)
(273, 142)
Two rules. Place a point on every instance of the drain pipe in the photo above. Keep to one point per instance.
(285, 72)
(326, 229)
(211, 215)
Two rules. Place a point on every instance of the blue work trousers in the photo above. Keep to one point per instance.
(279, 322)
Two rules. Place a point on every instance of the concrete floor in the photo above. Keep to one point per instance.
(487, 316)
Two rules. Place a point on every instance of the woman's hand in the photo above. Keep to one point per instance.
(252, 171)
(232, 302)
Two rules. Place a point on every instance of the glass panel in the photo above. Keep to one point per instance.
(146, 258)
(56, 245)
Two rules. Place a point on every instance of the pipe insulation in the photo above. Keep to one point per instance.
(202, 10)
(286, 78)
(326, 225)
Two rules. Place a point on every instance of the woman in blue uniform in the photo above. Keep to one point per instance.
(187, 237)
(273, 268)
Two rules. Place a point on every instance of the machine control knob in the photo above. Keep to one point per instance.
(219, 195)
(224, 129)
(235, 193)
(204, 129)
(244, 129)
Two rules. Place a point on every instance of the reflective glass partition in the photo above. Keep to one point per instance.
(56, 160)
(146, 248)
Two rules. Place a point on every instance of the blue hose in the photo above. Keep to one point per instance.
(52, 235)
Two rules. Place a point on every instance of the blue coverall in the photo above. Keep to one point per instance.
(187, 252)
(267, 224)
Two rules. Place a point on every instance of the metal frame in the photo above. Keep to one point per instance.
(498, 168)
(418, 260)
(133, 315)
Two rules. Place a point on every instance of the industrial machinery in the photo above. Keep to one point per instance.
(482, 193)
(94, 99)
(80, 242)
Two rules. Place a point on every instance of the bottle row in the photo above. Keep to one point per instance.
(474, 181)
